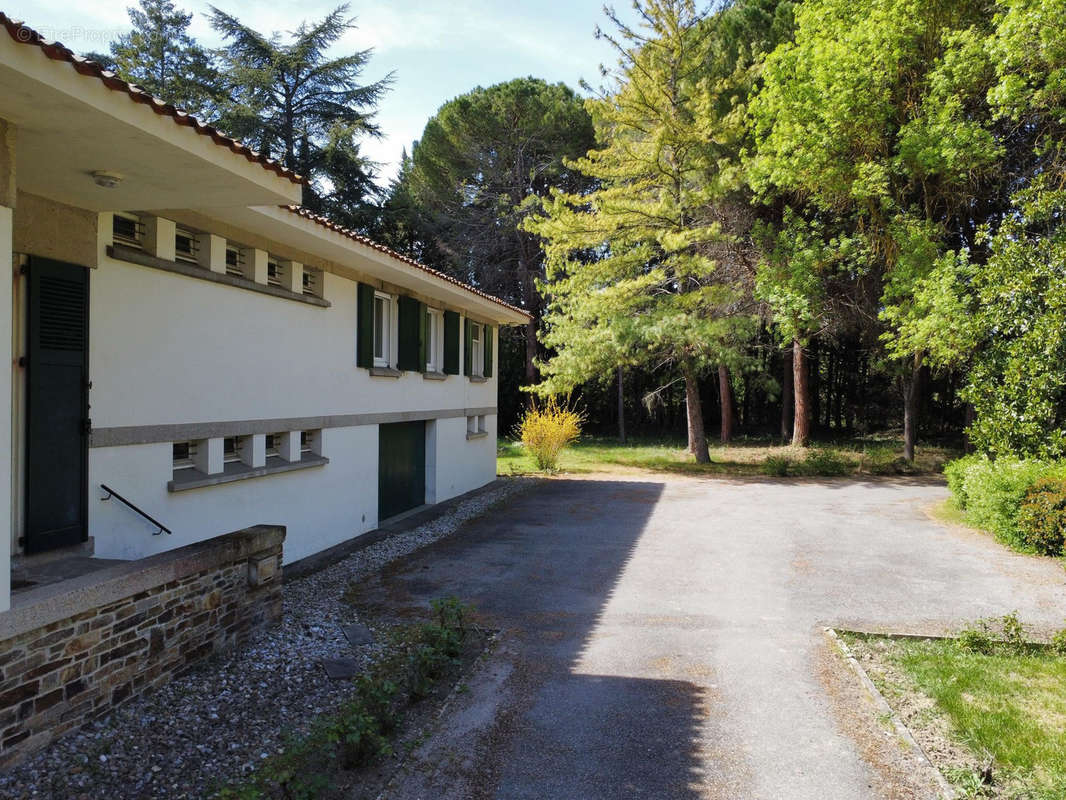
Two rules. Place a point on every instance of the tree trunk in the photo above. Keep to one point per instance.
(970, 416)
(801, 426)
(697, 436)
(912, 392)
(531, 351)
(813, 357)
(787, 396)
(726, 393)
(621, 410)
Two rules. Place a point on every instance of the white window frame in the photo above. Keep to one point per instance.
(385, 329)
(435, 340)
(477, 350)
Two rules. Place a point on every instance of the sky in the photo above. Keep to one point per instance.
(437, 49)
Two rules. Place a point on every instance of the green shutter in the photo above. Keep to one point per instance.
(468, 346)
(409, 345)
(364, 328)
(486, 334)
(451, 343)
(423, 338)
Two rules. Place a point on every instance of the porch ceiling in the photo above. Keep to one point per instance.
(69, 125)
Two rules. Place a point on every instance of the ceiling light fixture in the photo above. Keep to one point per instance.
(105, 179)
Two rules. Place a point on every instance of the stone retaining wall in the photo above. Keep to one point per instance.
(74, 650)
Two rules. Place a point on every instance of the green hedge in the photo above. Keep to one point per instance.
(992, 493)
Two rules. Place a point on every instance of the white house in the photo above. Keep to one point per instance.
(218, 358)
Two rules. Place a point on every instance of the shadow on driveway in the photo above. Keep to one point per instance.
(542, 570)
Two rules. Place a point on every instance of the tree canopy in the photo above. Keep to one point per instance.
(296, 102)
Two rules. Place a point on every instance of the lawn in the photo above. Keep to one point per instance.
(1002, 705)
(869, 456)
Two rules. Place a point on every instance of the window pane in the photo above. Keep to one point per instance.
(379, 327)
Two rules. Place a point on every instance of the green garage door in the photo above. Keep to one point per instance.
(401, 467)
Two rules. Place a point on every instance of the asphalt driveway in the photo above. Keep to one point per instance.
(661, 637)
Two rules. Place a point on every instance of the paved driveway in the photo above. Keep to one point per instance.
(661, 637)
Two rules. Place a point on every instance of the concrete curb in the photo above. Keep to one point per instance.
(947, 792)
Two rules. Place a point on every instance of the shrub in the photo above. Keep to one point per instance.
(546, 430)
(992, 492)
(825, 463)
(955, 472)
(1042, 517)
(776, 466)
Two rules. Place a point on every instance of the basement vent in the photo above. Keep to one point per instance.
(312, 282)
(127, 229)
(234, 262)
(185, 245)
(62, 314)
(274, 272)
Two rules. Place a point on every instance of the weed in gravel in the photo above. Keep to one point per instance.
(360, 732)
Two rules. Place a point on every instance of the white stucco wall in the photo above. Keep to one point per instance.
(170, 349)
(6, 270)
(320, 506)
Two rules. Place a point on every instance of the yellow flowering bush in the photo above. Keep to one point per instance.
(546, 429)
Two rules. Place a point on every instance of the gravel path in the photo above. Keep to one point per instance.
(222, 718)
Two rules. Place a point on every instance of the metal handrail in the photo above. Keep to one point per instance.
(112, 493)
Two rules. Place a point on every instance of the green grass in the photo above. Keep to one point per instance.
(745, 457)
(1007, 703)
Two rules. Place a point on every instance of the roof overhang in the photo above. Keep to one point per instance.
(70, 124)
(361, 261)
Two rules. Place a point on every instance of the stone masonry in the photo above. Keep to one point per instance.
(72, 651)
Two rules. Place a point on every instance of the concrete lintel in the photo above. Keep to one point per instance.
(193, 431)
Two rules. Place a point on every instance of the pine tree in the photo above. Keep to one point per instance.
(295, 103)
(632, 273)
(160, 56)
(484, 160)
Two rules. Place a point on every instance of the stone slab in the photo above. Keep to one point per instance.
(358, 635)
(338, 669)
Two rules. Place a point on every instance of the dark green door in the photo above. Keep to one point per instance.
(57, 405)
(401, 467)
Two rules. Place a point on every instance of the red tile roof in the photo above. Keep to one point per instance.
(57, 52)
(357, 237)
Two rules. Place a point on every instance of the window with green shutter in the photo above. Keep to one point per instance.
(487, 335)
